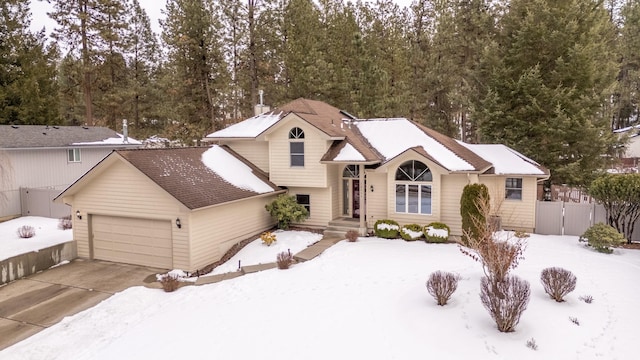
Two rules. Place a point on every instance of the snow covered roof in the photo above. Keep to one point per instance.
(43, 136)
(506, 160)
(234, 171)
(349, 153)
(249, 128)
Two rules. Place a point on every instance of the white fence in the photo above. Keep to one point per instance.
(39, 202)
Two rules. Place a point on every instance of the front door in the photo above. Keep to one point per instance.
(351, 191)
(355, 198)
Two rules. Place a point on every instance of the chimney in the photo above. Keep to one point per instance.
(125, 132)
(261, 108)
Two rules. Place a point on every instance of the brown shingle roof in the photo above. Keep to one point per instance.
(43, 136)
(182, 174)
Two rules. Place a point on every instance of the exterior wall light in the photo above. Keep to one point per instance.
(178, 223)
(371, 188)
(78, 215)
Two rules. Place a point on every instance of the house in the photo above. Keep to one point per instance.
(630, 159)
(168, 208)
(181, 208)
(42, 160)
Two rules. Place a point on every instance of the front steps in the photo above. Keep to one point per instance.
(339, 227)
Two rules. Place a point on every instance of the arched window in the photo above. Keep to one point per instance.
(413, 188)
(296, 148)
(351, 171)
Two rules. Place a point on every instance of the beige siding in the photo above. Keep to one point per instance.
(515, 214)
(44, 169)
(123, 191)
(376, 200)
(313, 173)
(452, 186)
(321, 206)
(216, 230)
(257, 152)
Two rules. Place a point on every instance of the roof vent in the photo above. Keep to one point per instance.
(125, 132)
(348, 115)
(261, 108)
(86, 128)
(14, 127)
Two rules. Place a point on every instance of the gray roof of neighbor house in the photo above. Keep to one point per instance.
(49, 136)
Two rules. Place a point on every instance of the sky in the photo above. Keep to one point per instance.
(153, 7)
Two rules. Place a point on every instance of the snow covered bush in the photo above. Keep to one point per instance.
(26, 231)
(65, 223)
(286, 210)
(352, 236)
(441, 285)
(386, 228)
(505, 300)
(411, 232)
(602, 237)
(437, 232)
(284, 260)
(558, 282)
(268, 238)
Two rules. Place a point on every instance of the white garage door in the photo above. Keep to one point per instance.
(132, 241)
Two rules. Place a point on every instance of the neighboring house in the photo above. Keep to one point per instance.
(49, 158)
(168, 208)
(184, 208)
(630, 160)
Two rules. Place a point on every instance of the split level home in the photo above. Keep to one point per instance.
(184, 208)
(38, 161)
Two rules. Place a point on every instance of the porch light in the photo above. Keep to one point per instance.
(371, 188)
(78, 215)
(178, 223)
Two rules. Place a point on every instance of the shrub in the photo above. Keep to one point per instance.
(586, 298)
(284, 259)
(285, 210)
(386, 228)
(352, 236)
(268, 238)
(505, 300)
(437, 232)
(473, 218)
(65, 223)
(531, 344)
(170, 282)
(520, 234)
(558, 282)
(441, 285)
(574, 320)
(602, 237)
(411, 232)
(26, 231)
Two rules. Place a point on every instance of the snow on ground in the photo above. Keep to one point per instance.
(47, 234)
(362, 300)
(258, 253)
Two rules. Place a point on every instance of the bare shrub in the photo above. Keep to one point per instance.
(574, 320)
(169, 282)
(558, 282)
(497, 257)
(65, 223)
(352, 236)
(441, 285)
(26, 231)
(531, 344)
(505, 300)
(284, 259)
(586, 298)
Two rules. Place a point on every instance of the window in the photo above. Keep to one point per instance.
(513, 189)
(413, 188)
(296, 148)
(73, 155)
(305, 201)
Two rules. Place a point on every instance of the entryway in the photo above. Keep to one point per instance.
(351, 191)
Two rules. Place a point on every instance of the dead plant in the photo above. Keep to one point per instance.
(26, 231)
(558, 282)
(352, 236)
(170, 282)
(65, 222)
(284, 260)
(441, 285)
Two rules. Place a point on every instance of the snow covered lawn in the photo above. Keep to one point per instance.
(362, 300)
(47, 234)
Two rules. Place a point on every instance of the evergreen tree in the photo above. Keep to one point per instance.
(547, 77)
(28, 91)
(626, 109)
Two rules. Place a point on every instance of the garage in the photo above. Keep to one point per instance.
(132, 241)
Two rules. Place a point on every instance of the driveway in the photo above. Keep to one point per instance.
(32, 304)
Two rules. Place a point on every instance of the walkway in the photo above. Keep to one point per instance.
(308, 253)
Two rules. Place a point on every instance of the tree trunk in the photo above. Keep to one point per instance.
(86, 63)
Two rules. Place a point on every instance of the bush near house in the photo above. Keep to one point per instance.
(26, 231)
(411, 232)
(65, 222)
(286, 210)
(284, 260)
(505, 300)
(437, 232)
(602, 237)
(352, 236)
(268, 238)
(474, 197)
(387, 229)
(441, 285)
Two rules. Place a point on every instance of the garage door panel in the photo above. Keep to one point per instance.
(133, 240)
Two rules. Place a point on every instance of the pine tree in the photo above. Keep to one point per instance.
(626, 111)
(547, 77)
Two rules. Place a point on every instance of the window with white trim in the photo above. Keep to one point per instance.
(296, 148)
(73, 155)
(513, 189)
(413, 188)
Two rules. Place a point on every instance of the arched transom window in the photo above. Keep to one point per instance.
(413, 188)
(296, 146)
(351, 171)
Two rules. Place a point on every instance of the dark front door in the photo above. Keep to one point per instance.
(356, 198)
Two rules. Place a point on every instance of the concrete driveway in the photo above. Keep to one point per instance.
(34, 303)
